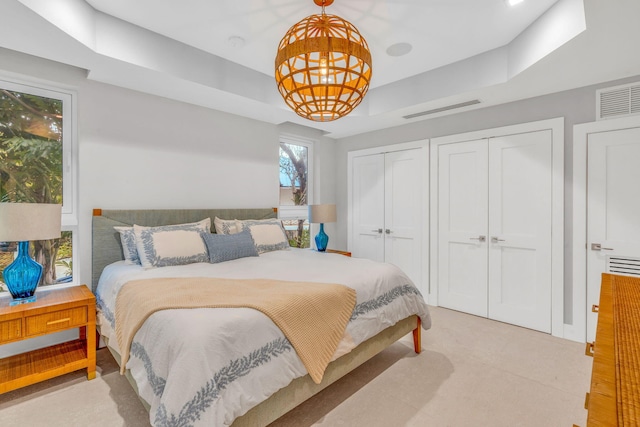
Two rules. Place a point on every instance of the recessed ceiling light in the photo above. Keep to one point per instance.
(235, 42)
(513, 2)
(399, 49)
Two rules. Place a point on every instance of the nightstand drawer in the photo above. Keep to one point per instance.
(10, 330)
(55, 321)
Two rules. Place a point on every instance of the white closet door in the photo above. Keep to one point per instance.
(520, 216)
(368, 207)
(462, 226)
(403, 212)
(613, 210)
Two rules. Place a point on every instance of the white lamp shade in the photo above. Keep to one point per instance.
(322, 213)
(20, 222)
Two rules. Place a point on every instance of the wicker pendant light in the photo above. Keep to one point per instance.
(323, 67)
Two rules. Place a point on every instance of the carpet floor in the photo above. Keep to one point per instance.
(471, 372)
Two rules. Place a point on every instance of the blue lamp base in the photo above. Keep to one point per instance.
(322, 239)
(22, 276)
(18, 301)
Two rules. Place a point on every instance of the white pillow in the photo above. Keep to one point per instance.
(226, 226)
(129, 249)
(267, 234)
(172, 244)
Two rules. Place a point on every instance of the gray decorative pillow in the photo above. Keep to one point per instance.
(225, 247)
(268, 234)
(129, 249)
(172, 244)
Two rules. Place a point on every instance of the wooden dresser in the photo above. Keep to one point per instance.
(614, 398)
(335, 251)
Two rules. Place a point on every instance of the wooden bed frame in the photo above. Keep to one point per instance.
(106, 249)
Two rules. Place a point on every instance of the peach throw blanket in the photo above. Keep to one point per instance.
(313, 316)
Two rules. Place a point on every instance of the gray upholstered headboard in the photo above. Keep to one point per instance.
(106, 247)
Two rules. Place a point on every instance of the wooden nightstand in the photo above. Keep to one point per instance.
(55, 310)
(335, 251)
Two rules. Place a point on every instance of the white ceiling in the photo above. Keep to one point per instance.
(461, 49)
(441, 32)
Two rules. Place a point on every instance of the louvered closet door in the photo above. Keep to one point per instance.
(462, 226)
(613, 215)
(368, 207)
(520, 197)
(403, 212)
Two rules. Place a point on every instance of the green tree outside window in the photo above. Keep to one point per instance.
(31, 162)
(294, 178)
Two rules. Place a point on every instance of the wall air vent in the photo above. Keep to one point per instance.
(626, 266)
(618, 101)
(441, 109)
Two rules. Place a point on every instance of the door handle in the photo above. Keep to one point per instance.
(598, 247)
(379, 230)
(496, 240)
(479, 238)
(388, 231)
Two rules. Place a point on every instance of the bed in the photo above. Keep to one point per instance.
(233, 366)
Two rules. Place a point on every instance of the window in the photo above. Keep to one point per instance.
(296, 158)
(35, 167)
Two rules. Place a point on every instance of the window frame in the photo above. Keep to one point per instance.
(288, 212)
(69, 220)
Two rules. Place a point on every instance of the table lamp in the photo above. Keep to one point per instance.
(322, 214)
(22, 222)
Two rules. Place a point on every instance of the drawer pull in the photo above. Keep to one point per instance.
(53, 322)
(589, 348)
(595, 308)
(586, 401)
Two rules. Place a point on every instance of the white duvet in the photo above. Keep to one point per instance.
(206, 367)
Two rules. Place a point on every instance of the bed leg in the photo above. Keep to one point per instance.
(417, 341)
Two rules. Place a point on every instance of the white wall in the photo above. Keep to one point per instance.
(142, 151)
(576, 106)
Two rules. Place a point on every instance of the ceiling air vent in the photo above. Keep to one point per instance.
(441, 109)
(618, 101)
